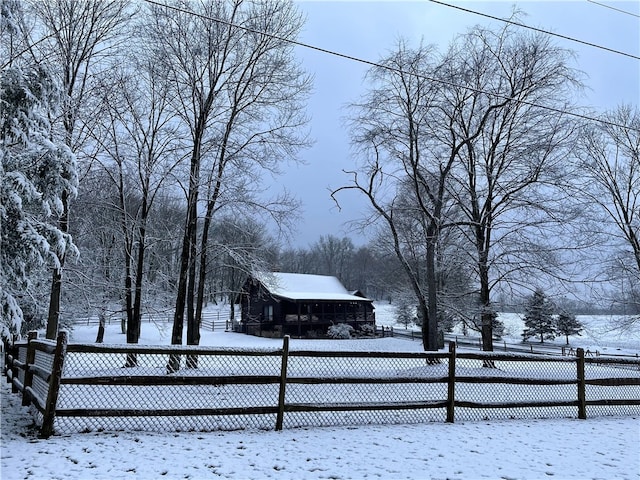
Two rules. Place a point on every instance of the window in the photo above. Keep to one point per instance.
(267, 313)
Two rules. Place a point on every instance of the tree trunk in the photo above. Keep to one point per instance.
(193, 326)
(131, 360)
(486, 315)
(54, 304)
(53, 317)
(193, 323)
(182, 294)
(101, 322)
(432, 299)
(128, 300)
(134, 323)
(202, 277)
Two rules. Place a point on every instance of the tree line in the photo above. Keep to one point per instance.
(135, 138)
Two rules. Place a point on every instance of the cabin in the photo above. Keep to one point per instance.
(276, 304)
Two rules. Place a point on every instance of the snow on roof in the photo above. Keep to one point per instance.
(300, 286)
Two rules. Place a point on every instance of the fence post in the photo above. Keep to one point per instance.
(28, 374)
(283, 382)
(5, 353)
(14, 369)
(582, 394)
(54, 386)
(451, 389)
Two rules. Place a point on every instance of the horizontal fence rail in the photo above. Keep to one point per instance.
(93, 387)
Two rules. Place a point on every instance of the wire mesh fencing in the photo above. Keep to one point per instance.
(189, 389)
(611, 386)
(132, 387)
(347, 388)
(515, 386)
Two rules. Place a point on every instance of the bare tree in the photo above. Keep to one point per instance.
(141, 146)
(75, 37)
(365, 272)
(369, 268)
(197, 53)
(610, 162)
(513, 89)
(261, 125)
(390, 128)
(238, 92)
(239, 247)
(333, 256)
(93, 279)
(407, 130)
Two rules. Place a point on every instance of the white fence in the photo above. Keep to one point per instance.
(211, 320)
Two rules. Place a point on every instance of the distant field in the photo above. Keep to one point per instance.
(601, 332)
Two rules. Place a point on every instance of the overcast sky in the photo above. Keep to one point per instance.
(370, 29)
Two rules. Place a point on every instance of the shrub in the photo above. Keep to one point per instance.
(341, 330)
(367, 330)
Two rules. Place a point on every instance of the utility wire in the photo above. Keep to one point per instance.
(614, 8)
(536, 29)
(385, 67)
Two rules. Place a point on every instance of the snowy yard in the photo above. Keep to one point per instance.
(596, 448)
(602, 448)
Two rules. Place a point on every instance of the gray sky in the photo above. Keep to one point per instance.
(369, 30)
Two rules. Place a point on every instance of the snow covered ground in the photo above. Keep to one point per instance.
(602, 448)
(600, 333)
(596, 448)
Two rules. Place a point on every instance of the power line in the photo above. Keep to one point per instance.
(614, 8)
(385, 67)
(536, 29)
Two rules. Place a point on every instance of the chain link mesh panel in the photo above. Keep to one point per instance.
(598, 375)
(493, 380)
(363, 389)
(22, 357)
(211, 394)
(40, 386)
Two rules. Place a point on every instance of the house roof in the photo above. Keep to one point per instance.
(300, 286)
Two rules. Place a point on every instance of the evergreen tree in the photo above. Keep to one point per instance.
(567, 324)
(497, 326)
(405, 313)
(33, 172)
(538, 319)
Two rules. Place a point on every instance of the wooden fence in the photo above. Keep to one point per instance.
(36, 369)
(216, 321)
(211, 320)
(475, 343)
(38, 384)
